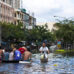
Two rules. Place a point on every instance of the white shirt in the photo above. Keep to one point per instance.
(11, 56)
(45, 49)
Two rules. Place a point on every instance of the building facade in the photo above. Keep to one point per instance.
(10, 13)
(32, 21)
(18, 16)
(49, 24)
(28, 20)
(14, 3)
(8, 9)
(6, 12)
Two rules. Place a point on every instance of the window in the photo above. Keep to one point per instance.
(3, 0)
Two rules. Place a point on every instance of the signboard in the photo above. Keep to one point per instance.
(59, 44)
(29, 27)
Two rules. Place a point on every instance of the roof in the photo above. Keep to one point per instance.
(23, 10)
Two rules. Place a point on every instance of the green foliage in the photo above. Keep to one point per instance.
(65, 30)
(40, 33)
(37, 34)
(11, 31)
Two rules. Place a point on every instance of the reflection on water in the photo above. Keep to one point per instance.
(57, 65)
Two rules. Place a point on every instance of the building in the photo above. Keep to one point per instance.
(6, 12)
(10, 12)
(49, 24)
(18, 16)
(8, 9)
(32, 21)
(14, 3)
(28, 20)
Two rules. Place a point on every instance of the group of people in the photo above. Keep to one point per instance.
(16, 54)
(20, 54)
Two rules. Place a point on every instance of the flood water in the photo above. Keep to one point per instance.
(57, 64)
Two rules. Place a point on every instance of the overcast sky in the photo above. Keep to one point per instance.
(45, 9)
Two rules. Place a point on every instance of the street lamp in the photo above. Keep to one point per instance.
(60, 17)
(63, 17)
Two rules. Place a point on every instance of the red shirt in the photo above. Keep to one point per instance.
(22, 50)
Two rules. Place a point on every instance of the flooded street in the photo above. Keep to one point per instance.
(57, 64)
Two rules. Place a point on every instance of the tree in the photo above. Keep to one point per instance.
(40, 33)
(11, 32)
(65, 30)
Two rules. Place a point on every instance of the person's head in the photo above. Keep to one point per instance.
(24, 48)
(2, 50)
(14, 48)
(43, 44)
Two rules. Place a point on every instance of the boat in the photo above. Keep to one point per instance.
(8, 61)
(25, 62)
(16, 61)
(13, 61)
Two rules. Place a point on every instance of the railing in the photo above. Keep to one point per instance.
(68, 45)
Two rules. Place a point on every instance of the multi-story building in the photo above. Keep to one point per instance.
(18, 16)
(6, 12)
(13, 3)
(32, 21)
(28, 20)
(10, 12)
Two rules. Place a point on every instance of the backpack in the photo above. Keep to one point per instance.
(17, 55)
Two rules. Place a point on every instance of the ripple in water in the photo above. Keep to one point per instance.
(57, 64)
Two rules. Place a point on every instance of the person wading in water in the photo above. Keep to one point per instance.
(44, 51)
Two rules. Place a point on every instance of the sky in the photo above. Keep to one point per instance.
(45, 10)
